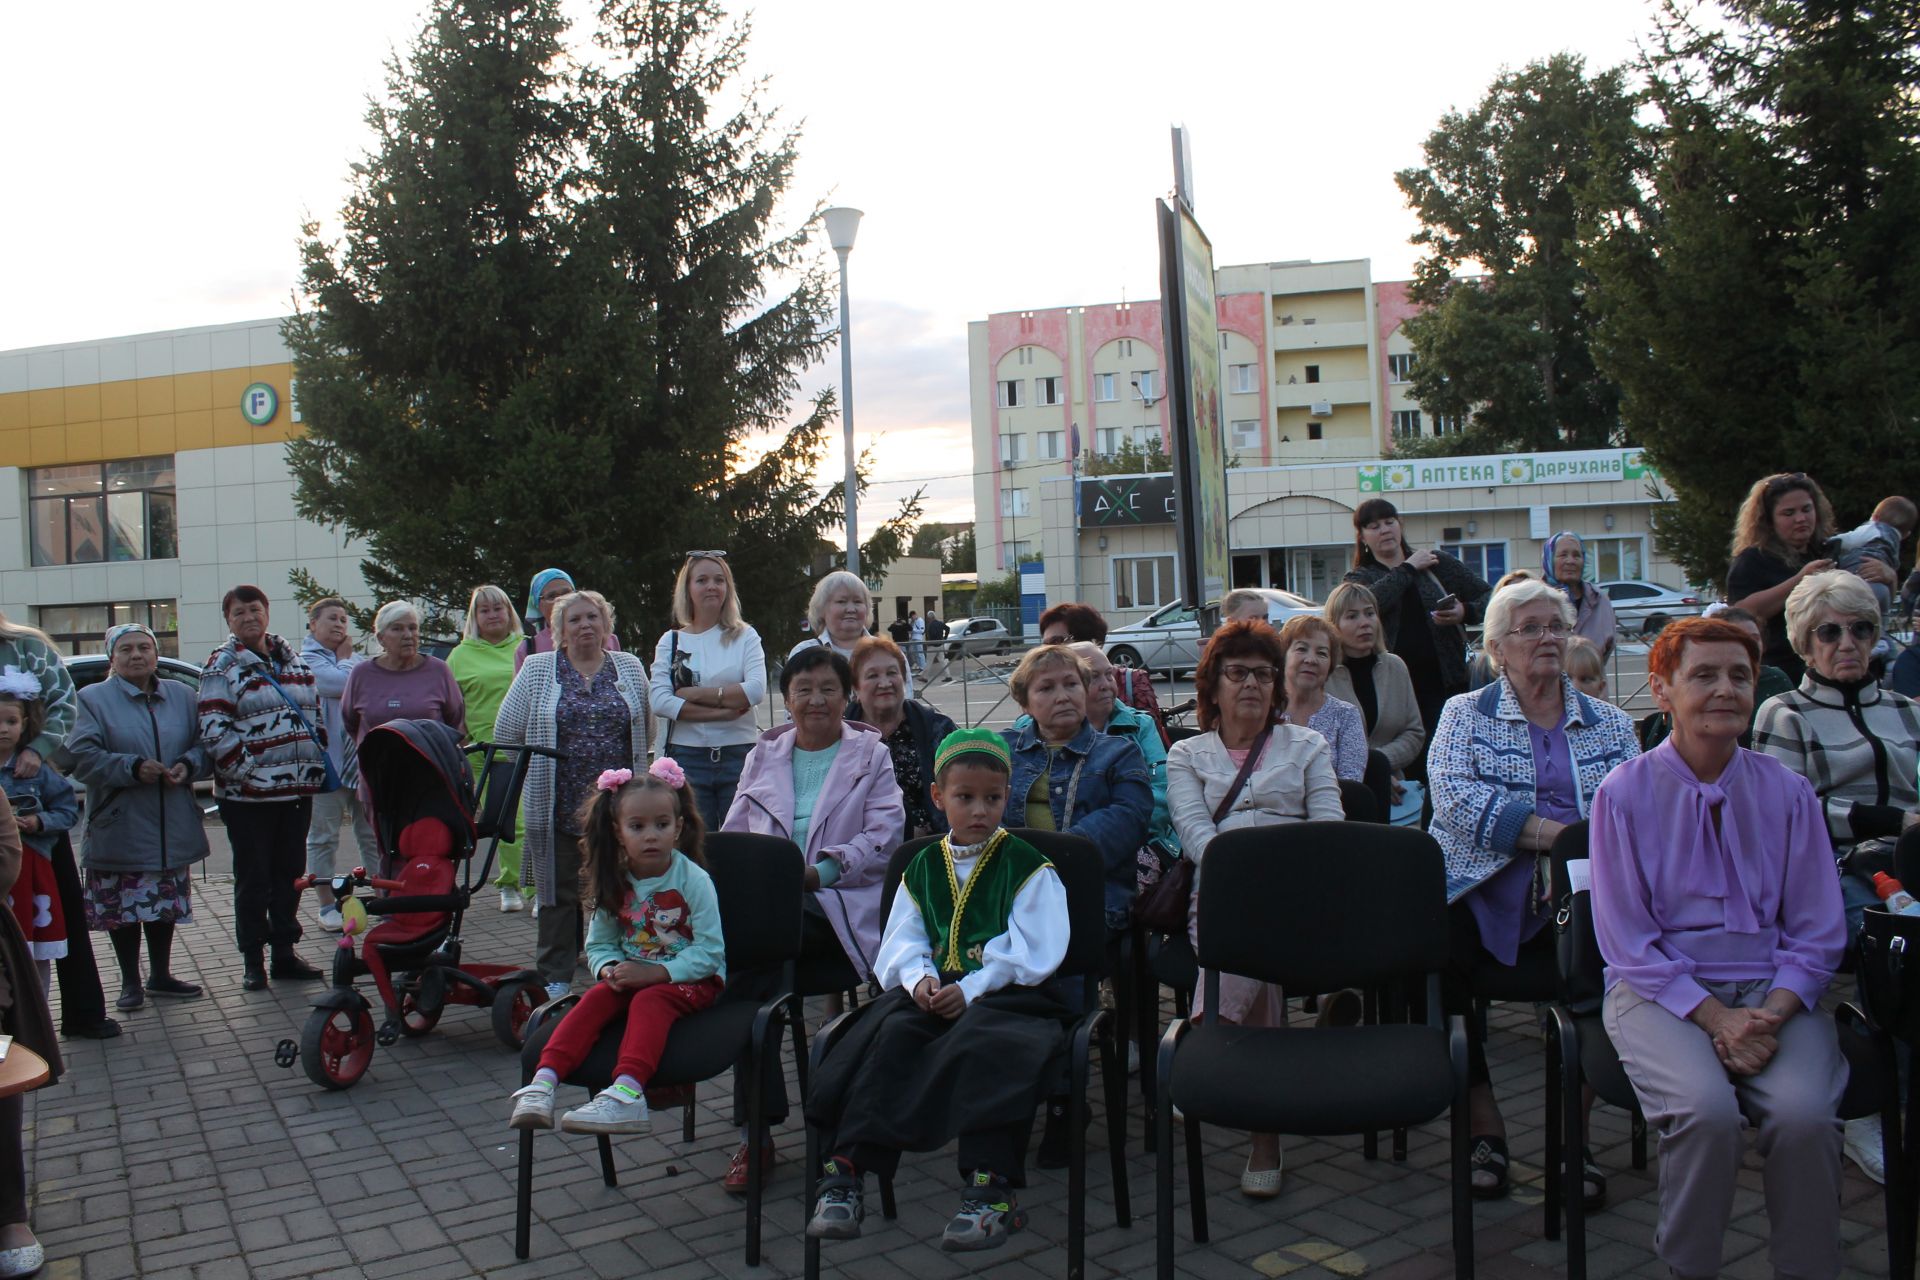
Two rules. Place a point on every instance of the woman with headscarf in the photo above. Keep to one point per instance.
(1563, 564)
(548, 585)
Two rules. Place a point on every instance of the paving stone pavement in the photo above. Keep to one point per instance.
(181, 1152)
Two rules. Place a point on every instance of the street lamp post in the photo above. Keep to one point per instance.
(842, 225)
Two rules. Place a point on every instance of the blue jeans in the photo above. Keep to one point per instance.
(713, 773)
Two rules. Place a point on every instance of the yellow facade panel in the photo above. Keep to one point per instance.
(192, 391)
(225, 385)
(14, 451)
(118, 400)
(120, 438)
(193, 429)
(229, 428)
(13, 411)
(83, 404)
(155, 395)
(156, 433)
(46, 446)
(46, 408)
(83, 442)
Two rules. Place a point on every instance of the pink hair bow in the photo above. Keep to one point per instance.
(669, 771)
(613, 779)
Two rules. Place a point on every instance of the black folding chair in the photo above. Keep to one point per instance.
(758, 880)
(1317, 906)
(1083, 874)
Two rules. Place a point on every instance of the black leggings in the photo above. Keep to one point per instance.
(126, 949)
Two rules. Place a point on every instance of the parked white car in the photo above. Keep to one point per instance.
(1170, 639)
(1645, 607)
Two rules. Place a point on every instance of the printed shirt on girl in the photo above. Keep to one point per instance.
(672, 920)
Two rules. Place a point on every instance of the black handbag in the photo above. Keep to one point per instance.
(1889, 972)
(1583, 970)
(1163, 907)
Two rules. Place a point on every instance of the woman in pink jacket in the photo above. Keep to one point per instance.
(827, 785)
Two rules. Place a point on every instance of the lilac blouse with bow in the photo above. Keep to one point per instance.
(1713, 882)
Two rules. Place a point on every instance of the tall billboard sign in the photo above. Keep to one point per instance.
(1192, 344)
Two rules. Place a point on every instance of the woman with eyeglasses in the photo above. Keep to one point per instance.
(1512, 766)
(1241, 691)
(1778, 537)
(709, 673)
(1857, 745)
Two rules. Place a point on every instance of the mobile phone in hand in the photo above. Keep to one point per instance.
(1445, 603)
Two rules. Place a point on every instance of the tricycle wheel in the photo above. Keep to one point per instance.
(422, 1002)
(337, 1046)
(513, 1004)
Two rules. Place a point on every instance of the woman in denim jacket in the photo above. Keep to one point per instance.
(1095, 785)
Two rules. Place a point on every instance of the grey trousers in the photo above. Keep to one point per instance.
(558, 927)
(1696, 1106)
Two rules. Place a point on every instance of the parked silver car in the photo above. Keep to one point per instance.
(1645, 607)
(1170, 639)
(977, 636)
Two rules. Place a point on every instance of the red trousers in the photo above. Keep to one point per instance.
(650, 1013)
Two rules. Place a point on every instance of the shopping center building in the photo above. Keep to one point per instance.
(1316, 366)
(141, 477)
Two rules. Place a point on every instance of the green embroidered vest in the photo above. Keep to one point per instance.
(959, 931)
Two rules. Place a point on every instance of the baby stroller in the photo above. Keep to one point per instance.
(428, 821)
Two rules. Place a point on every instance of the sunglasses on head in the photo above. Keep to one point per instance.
(706, 555)
(1860, 629)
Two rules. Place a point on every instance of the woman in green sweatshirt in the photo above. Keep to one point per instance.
(482, 664)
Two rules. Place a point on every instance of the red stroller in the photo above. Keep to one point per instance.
(428, 821)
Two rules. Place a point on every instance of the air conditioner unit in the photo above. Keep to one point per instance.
(1450, 534)
(1322, 408)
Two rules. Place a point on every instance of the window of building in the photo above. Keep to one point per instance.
(1010, 393)
(1400, 367)
(1449, 424)
(1053, 445)
(1143, 582)
(1047, 391)
(1126, 346)
(1315, 430)
(1014, 552)
(1013, 502)
(1143, 384)
(1147, 437)
(1313, 373)
(1406, 423)
(1013, 449)
(1104, 387)
(99, 511)
(1488, 559)
(1240, 378)
(1246, 434)
(82, 628)
(1023, 355)
(1106, 441)
(1611, 558)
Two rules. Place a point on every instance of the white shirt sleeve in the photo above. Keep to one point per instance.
(1034, 943)
(905, 955)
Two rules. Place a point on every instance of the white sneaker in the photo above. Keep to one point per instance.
(557, 989)
(611, 1111)
(511, 901)
(1863, 1147)
(532, 1106)
(330, 918)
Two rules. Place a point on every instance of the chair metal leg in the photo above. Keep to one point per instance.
(1462, 1179)
(1550, 1161)
(1196, 1181)
(523, 1199)
(888, 1209)
(1145, 1028)
(1113, 1075)
(796, 1016)
(810, 1189)
(1163, 1156)
(606, 1161)
(1573, 1185)
(1077, 1147)
(1369, 1016)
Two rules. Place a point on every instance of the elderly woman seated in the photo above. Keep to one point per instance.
(1312, 647)
(1856, 744)
(1716, 908)
(1249, 769)
(1512, 765)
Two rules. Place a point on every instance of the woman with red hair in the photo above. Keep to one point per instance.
(1718, 912)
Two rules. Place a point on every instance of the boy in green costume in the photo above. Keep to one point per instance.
(966, 1038)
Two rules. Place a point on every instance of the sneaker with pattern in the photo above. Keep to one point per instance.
(988, 1215)
(615, 1109)
(840, 1206)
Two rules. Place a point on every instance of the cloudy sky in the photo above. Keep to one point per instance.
(1007, 154)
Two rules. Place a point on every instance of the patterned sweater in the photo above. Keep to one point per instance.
(261, 749)
(1481, 773)
(1857, 746)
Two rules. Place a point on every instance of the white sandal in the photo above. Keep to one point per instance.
(23, 1261)
(1261, 1184)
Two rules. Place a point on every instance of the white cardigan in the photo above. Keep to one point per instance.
(528, 715)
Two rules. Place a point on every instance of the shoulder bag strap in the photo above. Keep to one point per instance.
(1240, 779)
(673, 660)
(334, 781)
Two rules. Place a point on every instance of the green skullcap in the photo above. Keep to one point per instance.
(972, 742)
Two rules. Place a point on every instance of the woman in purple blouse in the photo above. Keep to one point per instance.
(1719, 914)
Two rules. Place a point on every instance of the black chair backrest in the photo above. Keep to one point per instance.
(1379, 780)
(1316, 906)
(1581, 967)
(761, 883)
(1358, 802)
(1081, 872)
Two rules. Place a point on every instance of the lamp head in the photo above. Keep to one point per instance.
(842, 225)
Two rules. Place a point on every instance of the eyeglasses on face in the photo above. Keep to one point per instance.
(1534, 630)
(1860, 629)
(1237, 674)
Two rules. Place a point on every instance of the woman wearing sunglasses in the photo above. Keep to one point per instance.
(1856, 744)
(709, 673)
(1513, 765)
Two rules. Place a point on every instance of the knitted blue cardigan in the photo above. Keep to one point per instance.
(1481, 772)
